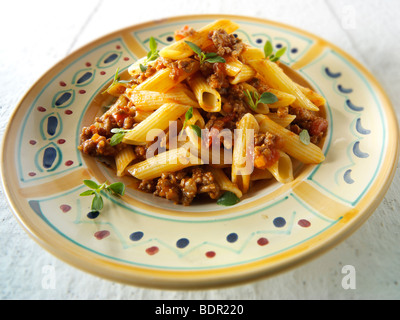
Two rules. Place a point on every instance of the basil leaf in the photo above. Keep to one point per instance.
(142, 68)
(87, 193)
(153, 44)
(217, 59)
(117, 130)
(97, 202)
(268, 98)
(280, 52)
(189, 114)
(118, 188)
(196, 49)
(117, 138)
(268, 49)
(91, 184)
(196, 130)
(211, 54)
(304, 137)
(228, 199)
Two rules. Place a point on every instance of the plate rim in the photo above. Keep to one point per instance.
(183, 279)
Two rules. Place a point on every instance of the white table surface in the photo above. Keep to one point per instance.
(37, 34)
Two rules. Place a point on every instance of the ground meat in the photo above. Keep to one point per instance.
(215, 125)
(226, 44)
(95, 139)
(184, 32)
(183, 186)
(234, 102)
(266, 150)
(308, 120)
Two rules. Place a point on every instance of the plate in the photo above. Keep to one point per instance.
(146, 241)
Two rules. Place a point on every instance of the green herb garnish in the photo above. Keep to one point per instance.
(117, 79)
(210, 57)
(228, 199)
(116, 189)
(152, 55)
(269, 52)
(304, 137)
(196, 129)
(254, 98)
(119, 134)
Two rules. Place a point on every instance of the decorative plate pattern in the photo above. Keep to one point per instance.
(144, 240)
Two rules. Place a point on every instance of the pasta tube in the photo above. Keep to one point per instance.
(274, 76)
(162, 81)
(180, 50)
(242, 160)
(310, 154)
(151, 100)
(209, 99)
(159, 119)
(123, 159)
(224, 182)
(169, 161)
(282, 169)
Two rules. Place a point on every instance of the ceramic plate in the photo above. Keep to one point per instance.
(144, 240)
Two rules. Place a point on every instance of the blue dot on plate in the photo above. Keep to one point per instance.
(93, 214)
(278, 45)
(294, 50)
(232, 237)
(259, 40)
(136, 236)
(182, 243)
(279, 222)
(170, 39)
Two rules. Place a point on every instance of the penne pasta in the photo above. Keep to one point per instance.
(163, 79)
(169, 161)
(151, 100)
(283, 121)
(233, 66)
(242, 163)
(209, 99)
(313, 96)
(123, 159)
(274, 76)
(159, 119)
(282, 169)
(292, 145)
(245, 74)
(251, 53)
(180, 50)
(224, 182)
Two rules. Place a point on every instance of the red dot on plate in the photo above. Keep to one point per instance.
(32, 142)
(69, 163)
(126, 58)
(102, 73)
(88, 64)
(65, 208)
(262, 241)
(82, 91)
(61, 141)
(152, 250)
(68, 112)
(99, 235)
(62, 83)
(31, 174)
(41, 109)
(304, 223)
(210, 254)
(118, 47)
